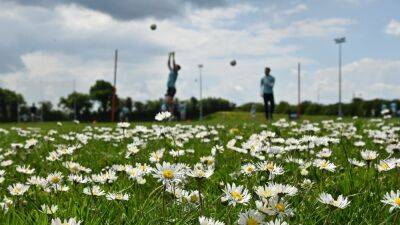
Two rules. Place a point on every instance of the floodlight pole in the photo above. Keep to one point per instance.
(340, 41)
(74, 92)
(298, 90)
(201, 91)
(114, 87)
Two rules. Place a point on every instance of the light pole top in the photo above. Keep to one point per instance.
(200, 65)
(340, 40)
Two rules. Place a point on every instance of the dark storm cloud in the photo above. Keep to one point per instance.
(132, 9)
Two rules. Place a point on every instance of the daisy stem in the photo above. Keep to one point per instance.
(395, 218)
(200, 197)
(163, 204)
(229, 215)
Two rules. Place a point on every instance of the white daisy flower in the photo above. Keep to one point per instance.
(95, 191)
(18, 189)
(236, 194)
(117, 196)
(71, 221)
(251, 217)
(209, 221)
(341, 202)
(393, 199)
(49, 209)
(369, 155)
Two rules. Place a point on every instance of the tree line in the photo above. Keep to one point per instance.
(96, 106)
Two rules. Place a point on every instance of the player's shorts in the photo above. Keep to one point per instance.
(171, 91)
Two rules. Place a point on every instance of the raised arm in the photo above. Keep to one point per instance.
(169, 61)
(173, 59)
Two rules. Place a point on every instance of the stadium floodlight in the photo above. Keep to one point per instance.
(340, 41)
(114, 90)
(201, 92)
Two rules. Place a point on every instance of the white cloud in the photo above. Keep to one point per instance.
(319, 28)
(393, 28)
(372, 78)
(297, 9)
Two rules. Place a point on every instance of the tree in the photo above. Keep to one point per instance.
(283, 107)
(79, 101)
(9, 103)
(51, 114)
(102, 92)
(129, 104)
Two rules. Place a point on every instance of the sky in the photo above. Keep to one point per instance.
(48, 45)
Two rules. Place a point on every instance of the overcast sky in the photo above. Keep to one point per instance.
(47, 44)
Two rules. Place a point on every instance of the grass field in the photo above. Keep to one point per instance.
(229, 168)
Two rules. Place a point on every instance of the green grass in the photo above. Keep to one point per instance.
(149, 204)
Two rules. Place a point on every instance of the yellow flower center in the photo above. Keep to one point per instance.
(250, 169)
(385, 166)
(55, 180)
(133, 173)
(119, 196)
(252, 221)
(168, 174)
(194, 198)
(267, 193)
(280, 207)
(270, 166)
(18, 190)
(237, 196)
(397, 201)
(324, 165)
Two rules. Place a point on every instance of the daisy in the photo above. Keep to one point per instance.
(369, 155)
(209, 221)
(200, 171)
(270, 167)
(324, 165)
(283, 189)
(356, 162)
(18, 189)
(71, 221)
(393, 199)
(251, 217)
(276, 222)
(385, 165)
(6, 204)
(37, 181)
(248, 169)
(324, 153)
(25, 169)
(156, 156)
(49, 209)
(341, 202)
(94, 191)
(123, 125)
(161, 116)
(275, 206)
(192, 197)
(132, 150)
(117, 196)
(168, 173)
(208, 160)
(55, 178)
(236, 194)
(265, 191)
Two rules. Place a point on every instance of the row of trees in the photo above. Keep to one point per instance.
(96, 105)
(357, 107)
